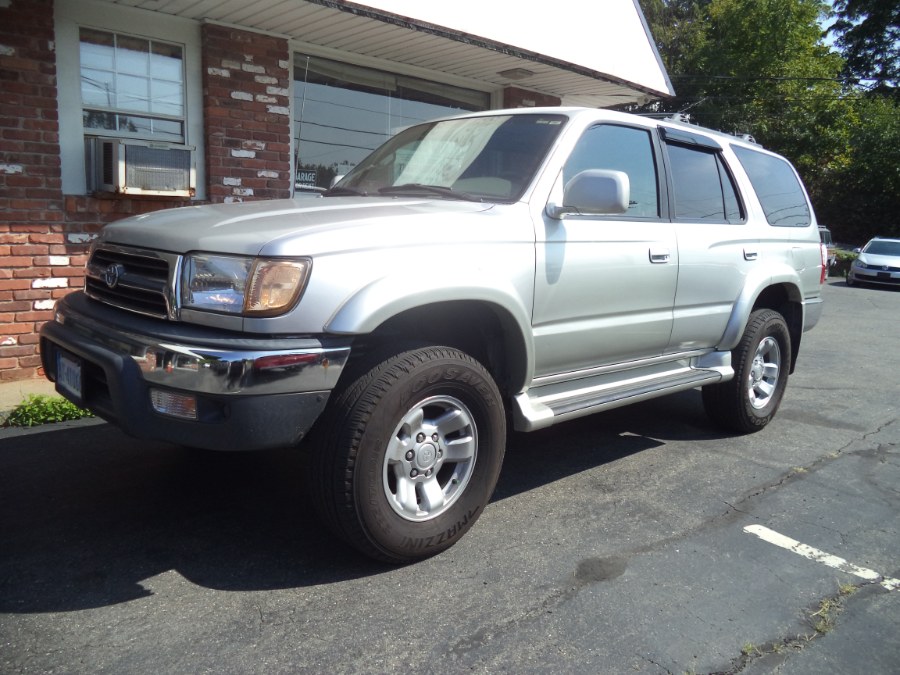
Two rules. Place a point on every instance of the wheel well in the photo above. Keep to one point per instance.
(785, 300)
(481, 330)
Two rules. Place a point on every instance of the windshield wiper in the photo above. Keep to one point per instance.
(338, 191)
(415, 188)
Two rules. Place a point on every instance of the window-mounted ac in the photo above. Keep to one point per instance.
(132, 167)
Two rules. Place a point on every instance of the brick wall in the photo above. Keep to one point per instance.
(247, 114)
(44, 236)
(37, 265)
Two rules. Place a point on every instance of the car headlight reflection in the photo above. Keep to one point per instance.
(239, 285)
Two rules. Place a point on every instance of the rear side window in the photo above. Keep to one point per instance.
(702, 187)
(777, 187)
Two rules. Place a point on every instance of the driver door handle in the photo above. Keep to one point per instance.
(659, 255)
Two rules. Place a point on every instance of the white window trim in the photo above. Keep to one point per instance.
(70, 15)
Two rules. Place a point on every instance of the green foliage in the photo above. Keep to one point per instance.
(861, 195)
(868, 32)
(40, 409)
(763, 68)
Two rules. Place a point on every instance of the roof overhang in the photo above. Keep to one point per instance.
(595, 54)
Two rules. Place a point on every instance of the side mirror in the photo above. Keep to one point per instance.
(594, 191)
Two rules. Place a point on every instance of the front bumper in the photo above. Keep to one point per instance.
(874, 276)
(250, 393)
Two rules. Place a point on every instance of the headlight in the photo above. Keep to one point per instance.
(250, 286)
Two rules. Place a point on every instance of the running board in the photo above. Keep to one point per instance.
(543, 406)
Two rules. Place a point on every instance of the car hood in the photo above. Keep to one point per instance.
(301, 226)
(880, 260)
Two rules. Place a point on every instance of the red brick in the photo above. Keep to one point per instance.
(34, 316)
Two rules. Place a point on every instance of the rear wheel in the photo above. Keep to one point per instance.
(409, 452)
(761, 364)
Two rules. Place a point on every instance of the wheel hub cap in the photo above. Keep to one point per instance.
(430, 458)
(762, 380)
(425, 457)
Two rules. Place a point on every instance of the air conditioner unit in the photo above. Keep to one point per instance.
(132, 167)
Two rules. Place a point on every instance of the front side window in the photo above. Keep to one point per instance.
(702, 188)
(131, 87)
(619, 148)
(777, 186)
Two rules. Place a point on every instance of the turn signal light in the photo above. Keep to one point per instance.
(174, 404)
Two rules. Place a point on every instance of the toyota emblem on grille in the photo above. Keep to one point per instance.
(112, 274)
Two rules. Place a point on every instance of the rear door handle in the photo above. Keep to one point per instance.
(749, 254)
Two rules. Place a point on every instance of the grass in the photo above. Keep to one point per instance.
(42, 409)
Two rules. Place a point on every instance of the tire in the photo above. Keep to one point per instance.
(408, 453)
(761, 363)
(849, 280)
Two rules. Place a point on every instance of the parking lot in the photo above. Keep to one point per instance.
(636, 541)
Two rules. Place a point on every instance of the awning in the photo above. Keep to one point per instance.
(595, 54)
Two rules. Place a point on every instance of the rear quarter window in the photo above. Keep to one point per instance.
(777, 187)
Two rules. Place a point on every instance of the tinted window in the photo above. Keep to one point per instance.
(620, 149)
(777, 187)
(703, 190)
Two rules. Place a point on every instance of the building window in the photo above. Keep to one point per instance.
(343, 112)
(131, 87)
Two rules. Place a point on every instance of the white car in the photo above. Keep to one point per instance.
(878, 263)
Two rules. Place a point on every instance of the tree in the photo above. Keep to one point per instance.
(860, 195)
(763, 68)
(868, 33)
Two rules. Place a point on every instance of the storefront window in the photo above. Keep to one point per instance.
(343, 112)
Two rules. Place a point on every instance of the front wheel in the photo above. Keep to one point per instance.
(409, 452)
(761, 364)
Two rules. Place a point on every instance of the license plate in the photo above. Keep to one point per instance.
(884, 275)
(68, 374)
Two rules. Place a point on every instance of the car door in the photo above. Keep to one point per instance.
(605, 285)
(717, 246)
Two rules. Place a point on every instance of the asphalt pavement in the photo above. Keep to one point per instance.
(636, 541)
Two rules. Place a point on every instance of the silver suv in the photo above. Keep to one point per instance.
(525, 265)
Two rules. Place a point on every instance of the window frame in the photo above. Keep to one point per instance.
(69, 17)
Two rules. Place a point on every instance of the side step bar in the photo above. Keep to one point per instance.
(543, 406)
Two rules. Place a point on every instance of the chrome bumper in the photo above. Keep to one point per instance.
(259, 369)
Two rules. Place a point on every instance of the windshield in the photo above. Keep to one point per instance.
(492, 158)
(882, 247)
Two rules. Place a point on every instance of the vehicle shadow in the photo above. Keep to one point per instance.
(87, 513)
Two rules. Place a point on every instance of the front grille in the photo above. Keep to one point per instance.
(136, 280)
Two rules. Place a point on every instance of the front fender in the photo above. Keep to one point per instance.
(389, 296)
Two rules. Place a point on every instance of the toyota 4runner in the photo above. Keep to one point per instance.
(525, 265)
